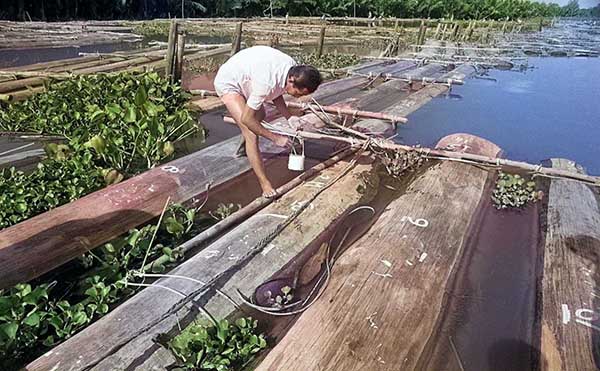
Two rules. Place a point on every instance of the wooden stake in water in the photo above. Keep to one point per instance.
(170, 58)
(321, 42)
(179, 56)
(236, 45)
(455, 33)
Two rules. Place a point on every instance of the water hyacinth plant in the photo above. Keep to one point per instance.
(222, 346)
(514, 191)
(115, 126)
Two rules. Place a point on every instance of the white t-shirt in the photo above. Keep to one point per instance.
(258, 73)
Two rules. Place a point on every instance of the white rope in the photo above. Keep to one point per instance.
(155, 275)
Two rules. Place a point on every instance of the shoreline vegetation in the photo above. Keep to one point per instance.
(60, 10)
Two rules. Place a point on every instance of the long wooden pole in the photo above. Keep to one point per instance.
(468, 157)
(252, 208)
(448, 155)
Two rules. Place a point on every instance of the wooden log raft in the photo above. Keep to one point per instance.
(571, 276)
(39, 244)
(123, 339)
(387, 289)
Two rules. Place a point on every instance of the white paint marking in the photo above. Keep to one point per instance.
(588, 324)
(423, 223)
(566, 314)
(386, 263)
(170, 169)
(268, 249)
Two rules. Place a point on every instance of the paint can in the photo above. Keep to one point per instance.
(296, 160)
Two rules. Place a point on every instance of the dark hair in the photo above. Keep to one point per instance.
(306, 77)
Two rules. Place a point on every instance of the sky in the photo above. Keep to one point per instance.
(582, 3)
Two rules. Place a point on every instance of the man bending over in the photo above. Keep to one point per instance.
(249, 79)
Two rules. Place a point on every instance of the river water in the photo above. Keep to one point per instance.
(550, 110)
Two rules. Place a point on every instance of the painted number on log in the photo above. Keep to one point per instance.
(170, 169)
(423, 223)
(582, 316)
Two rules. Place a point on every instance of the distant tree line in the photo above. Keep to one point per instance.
(53, 10)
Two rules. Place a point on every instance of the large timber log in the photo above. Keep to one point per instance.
(571, 276)
(37, 245)
(387, 289)
(123, 339)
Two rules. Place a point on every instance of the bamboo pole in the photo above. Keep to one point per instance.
(321, 42)
(252, 208)
(179, 56)
(170, 57)
(457, 156)
(236, 44)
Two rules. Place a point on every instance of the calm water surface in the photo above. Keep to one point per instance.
(552, 110)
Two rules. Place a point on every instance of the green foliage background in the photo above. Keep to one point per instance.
(145, 9)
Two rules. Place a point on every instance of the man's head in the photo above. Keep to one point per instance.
(302, 80)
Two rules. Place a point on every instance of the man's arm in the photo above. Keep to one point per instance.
(250, 119)
(279, 102)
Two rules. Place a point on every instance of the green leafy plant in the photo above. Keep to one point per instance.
(514, 191)
(224, 210)
(115, 126)
(223, 346)
(328, 61)
(52, 183)
(38, 315)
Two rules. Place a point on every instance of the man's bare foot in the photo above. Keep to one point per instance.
(269, 191)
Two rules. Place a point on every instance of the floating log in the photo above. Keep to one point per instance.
(44, 242)
(489, 319)
(424, 80)
(345, 111)
(571, 276)
(123, 339)
(392, 279)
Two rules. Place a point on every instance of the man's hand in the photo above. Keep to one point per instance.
(296, 123)
(282, 141)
